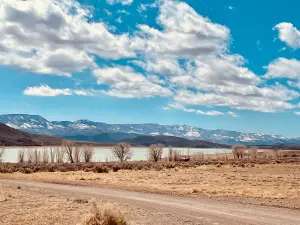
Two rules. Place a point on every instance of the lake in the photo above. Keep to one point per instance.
(103, 154)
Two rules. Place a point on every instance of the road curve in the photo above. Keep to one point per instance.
(206, 211)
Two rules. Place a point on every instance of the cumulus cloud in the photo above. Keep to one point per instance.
(124, 82)
(123, 2)
(289, 34)
(282, 67)
(46, 91)
(41, 33)
(185, 33)
(61, 62)
(187, 59)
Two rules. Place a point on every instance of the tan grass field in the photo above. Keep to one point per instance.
(39, 207)
(268, 184)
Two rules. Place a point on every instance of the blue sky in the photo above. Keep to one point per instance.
(213, 64)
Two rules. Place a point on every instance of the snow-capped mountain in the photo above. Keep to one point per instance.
(84, 128)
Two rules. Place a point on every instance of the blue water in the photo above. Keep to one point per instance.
(103, 154)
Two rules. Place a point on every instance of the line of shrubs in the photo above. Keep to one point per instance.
(105, 167)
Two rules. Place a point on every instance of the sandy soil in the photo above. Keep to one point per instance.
(274, 184)
(38, 207)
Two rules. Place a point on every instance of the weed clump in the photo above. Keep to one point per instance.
(105, 217)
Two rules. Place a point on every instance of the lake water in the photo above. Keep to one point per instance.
(103, 154)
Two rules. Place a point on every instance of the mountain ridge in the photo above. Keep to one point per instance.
(87, 128)
(12, 137)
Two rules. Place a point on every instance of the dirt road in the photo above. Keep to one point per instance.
(206, 211)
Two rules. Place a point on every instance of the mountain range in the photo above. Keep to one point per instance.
(86, 130)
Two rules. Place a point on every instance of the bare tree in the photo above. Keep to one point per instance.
(155, 152)
(2, 151)
(238, 151)
(69, 147)
(171, 154)
(252, 151)
(36, 156)
(21, 156)
(52, 154)
(45, 156)
(29, 155)
(88, 152)
(77, 153)
(122, 151)
(60, 154)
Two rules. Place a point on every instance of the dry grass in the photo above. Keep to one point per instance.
(105, 217)
(34, 206)
(275, 184)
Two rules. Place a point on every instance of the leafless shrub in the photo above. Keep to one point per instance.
(179, 156)
(252, 152)
(105, 217)
(88, 152)
(69, 148)
(198, 156)
(2, 151)
(60, 154)
(238, 151)
(226, 156)
(276, 152)
(21, 156)
(122, 151)
(155, 152)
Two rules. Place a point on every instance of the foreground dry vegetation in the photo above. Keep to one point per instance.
(23, 205)
(274, 183)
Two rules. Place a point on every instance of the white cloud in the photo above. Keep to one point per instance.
(294, 84)
(289, 34)
(166, 66)
(232, 101)
(282, 67)
(61, 62)
(185, 33)
(33, 31)
(230, 113)
(123, 2)
(124, 82)
(297, 113)
(188, 59)
(46, 91)
(230, 7)
(196, 111)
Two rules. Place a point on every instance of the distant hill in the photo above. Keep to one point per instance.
(13, 137)
(172, 141)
